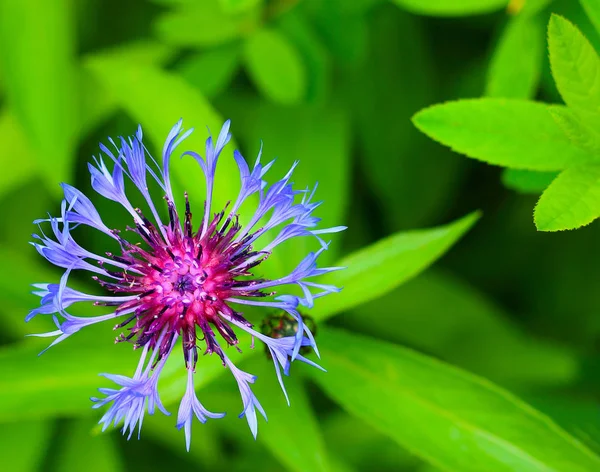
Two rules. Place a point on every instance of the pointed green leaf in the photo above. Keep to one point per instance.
(580, 127)
(450, 418)
(527, 181)
(379, 268)
(451, 7)
(517, 61)
(575, 65)
(292, 434)
(572, 200)
(512, 133)
(37, 57)
(60, 382)
(275, 67)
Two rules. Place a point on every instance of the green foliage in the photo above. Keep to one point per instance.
(515, 68)
(513, 133)
(275, 66)
(332, 84)
(440, 406)
(31, 69)
(530, 136)
(434, 309)
(390, 262)
(572, 199)
(575, 66)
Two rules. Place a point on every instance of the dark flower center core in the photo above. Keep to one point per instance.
(183, 282)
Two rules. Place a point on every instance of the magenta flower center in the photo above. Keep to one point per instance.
(183, 283)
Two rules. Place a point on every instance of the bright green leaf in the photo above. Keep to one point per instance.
(592, 9)
(575, 65)
(211, 71)
(80, 450)
(275, 66)
(56, 383)
(204, 24)
(451, 7)
(527, 181)
(37, 51)
(572, 200)
(512, 133)
(292, 434)
(580, 127)
(517, 61)
(452, 419)
(379, 268)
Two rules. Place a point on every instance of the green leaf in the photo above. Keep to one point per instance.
(580, 127)
(60, 382)
(575, 65)
(446, 317)
(527, 181)
(592, 9)
(572, 200)
(451, 7)
(24, 444)
(204, 24)
(512, 133)
(211, 71)
(37, 50)
(80, 450)
(452, 419)
(381, 267)
(516, 64)
(157, 99)
(292, 434)
(275, 67)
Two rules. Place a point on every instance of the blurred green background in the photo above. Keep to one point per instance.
(334, 84)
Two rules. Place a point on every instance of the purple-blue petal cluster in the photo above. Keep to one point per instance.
(180, 281)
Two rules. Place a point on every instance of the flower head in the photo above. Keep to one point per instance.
(182, 281)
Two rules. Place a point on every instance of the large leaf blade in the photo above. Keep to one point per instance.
(516, 65)
(37, 48)
(452, 419)
(572, 200)
(512, 133)
(575, 65)
(384, 265)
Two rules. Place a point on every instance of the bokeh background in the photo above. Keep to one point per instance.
(333, 83)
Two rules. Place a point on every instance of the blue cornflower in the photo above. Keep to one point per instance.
(182, 283)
